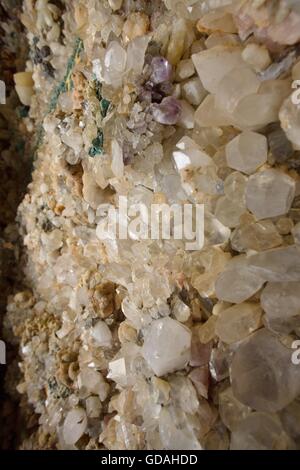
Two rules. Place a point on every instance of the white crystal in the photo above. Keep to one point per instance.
(175, 430)
(247, 152)
(237, 322)
(213, 64)
(262, 373)
(234, 86)
(238, 282)
(229, 212)
(74, 426)
(167, 346)
(102, 334)
(117, 164)
(277, 265)
(259, 431)
(185, 69)
(193, 91)
(257, 56)
(269, 193)
(180, 310)
(186, 119)
(281, 302)
(188, 155)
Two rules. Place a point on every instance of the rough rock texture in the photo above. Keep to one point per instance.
(141, 343)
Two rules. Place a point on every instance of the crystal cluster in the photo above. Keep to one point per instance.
(140, 343)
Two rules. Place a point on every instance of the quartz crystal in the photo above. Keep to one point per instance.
(237, 322)
(247, 152)
(193, 91)
(281, 303)
(121, 333)
(167, 346)
(168, 111)
(261, 364)
(213, 64)
(260, 431)
(74, 426)
(238, 282)
(277, 265)
(161, 70)
(258, 236)
(231, 410)
(102, 334)
(269, 193)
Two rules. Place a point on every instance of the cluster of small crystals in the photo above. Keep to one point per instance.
(140, 344)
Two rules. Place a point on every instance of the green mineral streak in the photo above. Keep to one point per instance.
(58, 89)
(23, 111)
(63, 85)
(97, 145)
(104, 105)
(97, 85)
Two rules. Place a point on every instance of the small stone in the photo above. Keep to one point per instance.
(52, 240)
(277, 265)
(237, 84)
(102, 334)
(280, 147)
(186, 119)
(247, 152)
(289, 116)
(117, 164)
(262, 373)
(284, 225)
(175, 430)
(167, 346)
(235, 186)
(237, 322)
(176, 43)
(231, 410)
(193, 91)
(281, 303)
(185, 69)
(269, 193)
(114, 64)
(188, 155)
(213, 64)
(238, 282)
(24, 86)
(168, 111)
(258, 236)
(200, 352)
(136, 25)
(229, 212)
(219, 363)
(115, 4)
(93, 407)
(74, 426)
(259, 431)
(200, 378)
(290, 418)
(126, 333)
(257, 56)
(92, 381)
(180, 310)
(161, 70)
(206, 331)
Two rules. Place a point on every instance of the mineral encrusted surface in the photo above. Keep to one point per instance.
(140, 343)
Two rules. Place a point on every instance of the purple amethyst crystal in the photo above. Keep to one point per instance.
(168, 111)
(161, 70)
